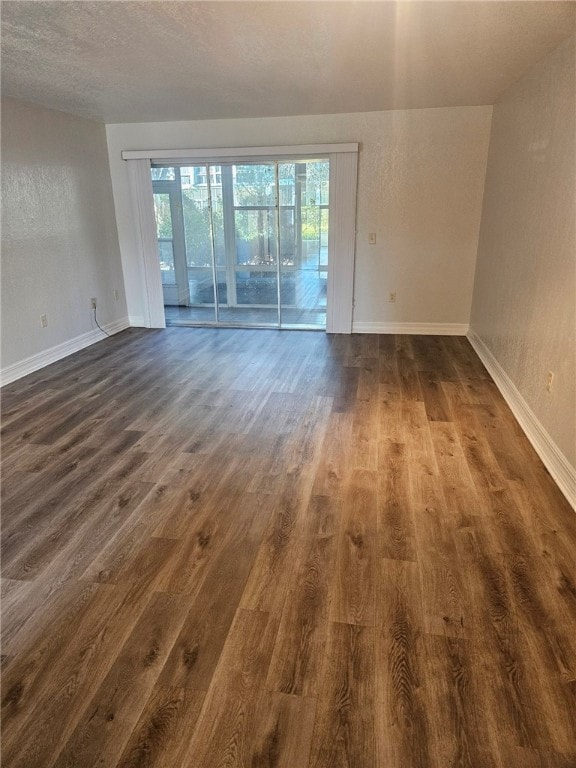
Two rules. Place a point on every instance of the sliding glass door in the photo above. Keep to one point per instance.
(244, 244)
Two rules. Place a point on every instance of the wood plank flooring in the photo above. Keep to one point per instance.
(268, 549)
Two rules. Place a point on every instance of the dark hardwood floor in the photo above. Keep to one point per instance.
(267, 549)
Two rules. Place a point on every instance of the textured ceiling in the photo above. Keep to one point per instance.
(148, 61)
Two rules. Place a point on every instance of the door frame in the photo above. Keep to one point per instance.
(341, 228)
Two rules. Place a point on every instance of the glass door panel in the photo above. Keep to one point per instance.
(197, 223)
(304, 242)
(255, 245)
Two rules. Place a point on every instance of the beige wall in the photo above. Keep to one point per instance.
(420, 184)
(525, 287)
(59, 237)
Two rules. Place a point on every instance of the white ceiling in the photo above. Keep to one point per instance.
(148, 61)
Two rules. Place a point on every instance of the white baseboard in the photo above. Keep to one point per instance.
(424, 329)
(136, 321)
(116, 326)
(48, 356)
(556, 463)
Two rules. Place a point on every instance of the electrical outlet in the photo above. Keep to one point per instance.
(93, 303)
(372, 238)
(549, 380)
(43, 321)
(392, 296)
(116, 295)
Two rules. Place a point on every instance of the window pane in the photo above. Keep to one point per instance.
(163, 173)
(257, 287)
(324, 238)
(222, 287)
(286, 183)
(218, 223)
(317, 182)
(164, 234)
(255, 243)
(287, 234)
(201, 282)
(166, 256)
(254, 185)
(288, 288)
(196, 215)
(163, 215)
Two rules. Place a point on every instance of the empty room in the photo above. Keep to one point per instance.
(288, 368)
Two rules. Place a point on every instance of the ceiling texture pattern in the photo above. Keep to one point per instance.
(158, 61)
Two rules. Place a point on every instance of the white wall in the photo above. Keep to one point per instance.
(59, 237)
(420, 184)
(524, 310)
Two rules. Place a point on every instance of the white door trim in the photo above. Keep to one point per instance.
(341, 242)
(140, 180)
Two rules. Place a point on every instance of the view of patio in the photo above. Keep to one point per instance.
(303, 295)
(257, 231)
